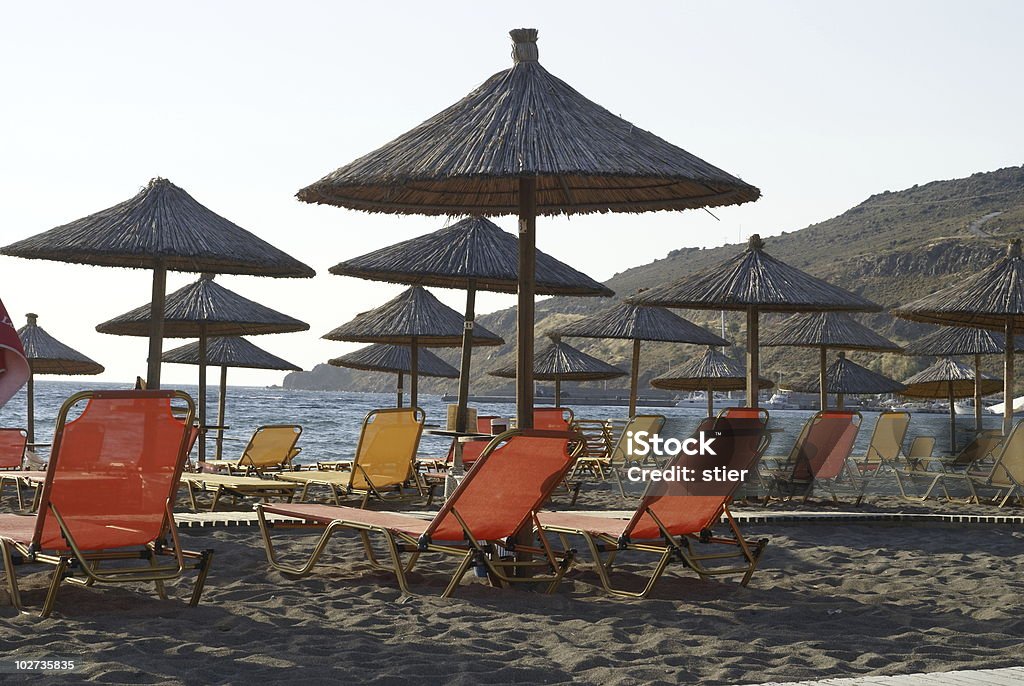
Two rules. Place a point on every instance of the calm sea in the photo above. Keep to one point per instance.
(331, 420)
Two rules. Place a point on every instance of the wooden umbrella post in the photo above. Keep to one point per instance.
(977, 392)
(31, 405)
(711, 400)
(753, 357)
(399, 400)
(414, 373)
(202, 392)
(634, 381)
(220, 410)
(525, 312)
(822, 373)
(558, 391)
(1008, 378)
(156, 325)
(467, 353)
(952, 419)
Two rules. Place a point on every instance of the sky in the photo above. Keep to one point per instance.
(819, 104)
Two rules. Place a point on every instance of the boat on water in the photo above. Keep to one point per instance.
(786, 399)
(966, 407)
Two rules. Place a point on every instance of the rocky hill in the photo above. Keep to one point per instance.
(892, 248)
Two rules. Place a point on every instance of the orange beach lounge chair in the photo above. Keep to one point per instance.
(819, 457)
(670, 523)
(12, 456)
(499, 496)
(108, 497)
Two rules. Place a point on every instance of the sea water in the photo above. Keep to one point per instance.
(331, 420)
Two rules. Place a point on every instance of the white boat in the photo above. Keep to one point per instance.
(1000, 408)
(966, 407)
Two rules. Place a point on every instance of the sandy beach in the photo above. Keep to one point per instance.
(828, 600)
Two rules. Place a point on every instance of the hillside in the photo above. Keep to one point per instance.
(892, 248)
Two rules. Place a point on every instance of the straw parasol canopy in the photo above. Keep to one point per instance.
(473, 254)
(161, 228)
(845, 376)
(754, 281)
(396, 359)
(824, 331)
(950, 341)
(224, 352)
(525, 142)
(562, 362)
(991, 299)
(949, 379)
(47, 355)
(414, 318)
(634, 323)
(201, 310)
(712, 371)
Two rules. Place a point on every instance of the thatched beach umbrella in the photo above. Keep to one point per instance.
(47, 355)
(396, 359)
(224, 352)
(991, 299)
(844, 377)
(824, 331)
(712, 371)
(473, 254)
(524, 142)
(754, 282)
(201, 310)
(561, 362)
(162, 228)
(414, 318)
(949, 379)
(954, 341)
(634, 323)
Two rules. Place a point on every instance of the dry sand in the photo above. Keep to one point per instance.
(828, 600)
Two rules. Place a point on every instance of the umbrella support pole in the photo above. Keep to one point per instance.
(1008, 378)
(30, 402)
(822, 373)
(464, 364)
(711, 400)
(977, 392)
(414, 373)
(634, 382)
(840, 401)
(525, 309)
(156, 327)
(558, 392)
(753, 357)
(400, 389)
(952, 419)
(202, 393)
(220, 410)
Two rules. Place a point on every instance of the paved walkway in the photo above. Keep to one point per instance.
(1011, 676)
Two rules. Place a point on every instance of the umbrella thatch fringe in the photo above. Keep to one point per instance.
(524, 122)
(562, 362)
(754, 278)
(395, 359)
(161, 224)
(472, 251)
(934, 381)
(47, 355)
(714, 368)
(632, 322)
(414, 315)
(827, 330)
(229, 351)
(205, 303)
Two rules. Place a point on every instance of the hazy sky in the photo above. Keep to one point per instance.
(820, 104)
